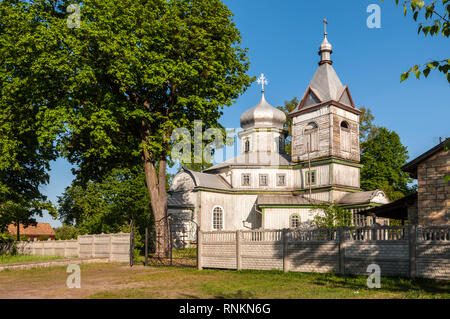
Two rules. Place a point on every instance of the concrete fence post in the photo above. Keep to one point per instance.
(412, 243)
(285, 251)
(199, 249)
(238, 250)
(341, 243)
(110, 247)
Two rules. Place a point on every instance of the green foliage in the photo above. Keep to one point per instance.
(366, 126)
(7, 244)
(24, 157)
(383, 155)
(436, 15)
(107, 206)
(66, 232)
(287, 108)
(332, 216)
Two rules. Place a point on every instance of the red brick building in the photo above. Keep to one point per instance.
(40, 231)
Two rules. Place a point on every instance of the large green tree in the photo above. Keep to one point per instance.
(109, 206)
(24, 157)
(119, 83)
(383, 155)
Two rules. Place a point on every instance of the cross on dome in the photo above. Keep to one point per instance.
(262, 80)
(325, 22)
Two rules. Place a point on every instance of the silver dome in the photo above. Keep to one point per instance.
(263, 115)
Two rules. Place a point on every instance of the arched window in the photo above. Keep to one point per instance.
(217, 218)
(345, 137)
(294, 221)
(311, 137)
(247, 146)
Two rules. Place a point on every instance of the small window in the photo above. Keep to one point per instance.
(247, 146)
(281, 179)
(294, 221)
(311, 137)
(313, 177)
(345, 137)
(345, 125)
(263, 180)
(245, 179)
(217, 218)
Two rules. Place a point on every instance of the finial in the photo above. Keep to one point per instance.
(263, 81)
(325, 22)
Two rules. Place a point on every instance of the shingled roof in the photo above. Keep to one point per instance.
(38, 230)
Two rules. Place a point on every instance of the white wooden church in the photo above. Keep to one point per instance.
(263, 188)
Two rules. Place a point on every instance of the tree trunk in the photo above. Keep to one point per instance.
(156, 184)
(18, 231)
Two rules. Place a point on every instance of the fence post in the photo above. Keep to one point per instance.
(238, 250)
(341, 240)
(412, 243)
(285, 251)
(199, 249)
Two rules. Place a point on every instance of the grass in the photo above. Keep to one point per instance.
(109, 280)
(8, 259)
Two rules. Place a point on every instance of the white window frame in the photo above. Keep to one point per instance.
(223, 218)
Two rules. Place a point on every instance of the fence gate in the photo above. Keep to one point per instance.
(183, 243)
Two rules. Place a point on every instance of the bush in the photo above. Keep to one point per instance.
(66, 232)
(8, 244)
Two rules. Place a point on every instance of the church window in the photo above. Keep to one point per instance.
(311, 137)
(281, 179)
(217, 219)
(281, 145)
(247, 146)
(245, 179)
(345, 137)
(263, 180)
(294, 221)
(313, 177)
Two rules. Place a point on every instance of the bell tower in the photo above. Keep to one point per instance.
(325, 130)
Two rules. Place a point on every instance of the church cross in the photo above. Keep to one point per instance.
(262, 80)
(325, 22)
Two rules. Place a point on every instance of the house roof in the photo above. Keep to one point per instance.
(178, 200)
(411, 167)
(394, 210)
(286, 200)
(360, 197)
(39, 229)
(206, 180)
(254, 159)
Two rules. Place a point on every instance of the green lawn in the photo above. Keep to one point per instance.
(7, 259)
(109, 280)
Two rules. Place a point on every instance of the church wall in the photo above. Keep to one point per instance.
(322, 176)
(271, 181)
(263, 139)
(346, 175)
(237, 209)
(279, 218)
(337, 147)
(322, 118)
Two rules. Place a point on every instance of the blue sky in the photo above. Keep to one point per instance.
(283, 39)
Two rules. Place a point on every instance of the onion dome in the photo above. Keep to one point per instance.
(263, 115)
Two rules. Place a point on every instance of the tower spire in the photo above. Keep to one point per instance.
(325, 48)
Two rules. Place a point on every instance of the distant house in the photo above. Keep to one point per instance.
(431, 204)
(42, 231)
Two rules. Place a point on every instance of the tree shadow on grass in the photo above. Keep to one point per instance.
(392, 284)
